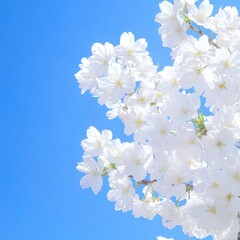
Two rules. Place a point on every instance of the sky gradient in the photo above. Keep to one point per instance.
(44, 117)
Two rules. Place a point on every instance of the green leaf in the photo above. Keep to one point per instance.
(113, 165)
(186, 19)
(201, 129)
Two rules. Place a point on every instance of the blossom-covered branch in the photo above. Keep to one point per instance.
(183, 163)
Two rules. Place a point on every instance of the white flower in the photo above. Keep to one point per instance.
(170, 213)
(129, 48)
(159, 132)
(192, 48)
(122, 192)
(137, 159)
(95, 141)
(103, 55)
(226, 20)
(173, 26)
(175, 179)
(222, 90)
(87, 76)
(115, 85)
(145, 208)
(225, 62)
(94, 171)
(143, 97)
(136, 119)
(200, 15)
(210, 214)
(219, 143)
(194, 73)
(182, 107)
(159, 165)
(114, 152)
(168, 81)
(163, 238)
(145, 71)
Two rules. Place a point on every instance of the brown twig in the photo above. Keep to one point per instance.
(200, 32)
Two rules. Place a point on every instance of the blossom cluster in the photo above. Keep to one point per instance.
(184, 162)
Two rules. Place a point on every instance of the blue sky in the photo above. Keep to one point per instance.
(44, 117)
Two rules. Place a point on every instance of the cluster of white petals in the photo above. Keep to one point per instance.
(184, 162)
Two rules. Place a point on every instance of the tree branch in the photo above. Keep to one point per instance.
(200, 32)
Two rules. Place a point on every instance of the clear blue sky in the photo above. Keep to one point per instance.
(44, 117)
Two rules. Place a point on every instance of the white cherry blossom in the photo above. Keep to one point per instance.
(201, 14)
(96, 141)
(93, 171)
